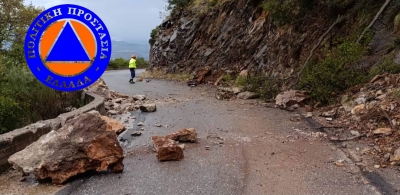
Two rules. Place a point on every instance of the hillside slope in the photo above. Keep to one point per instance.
(277, 37)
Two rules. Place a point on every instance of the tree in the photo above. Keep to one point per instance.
(15, 18)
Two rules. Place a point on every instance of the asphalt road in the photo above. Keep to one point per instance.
(264, 151)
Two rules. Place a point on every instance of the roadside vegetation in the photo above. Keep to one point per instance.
(120, 63)
(23, 99)
(161, 74)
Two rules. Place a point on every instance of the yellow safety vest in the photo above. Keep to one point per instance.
(132, 63)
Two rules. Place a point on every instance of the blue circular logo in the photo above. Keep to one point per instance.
(67, 47)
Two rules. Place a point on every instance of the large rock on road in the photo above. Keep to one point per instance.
(82, 144)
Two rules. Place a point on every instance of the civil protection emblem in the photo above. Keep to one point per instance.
(67, 47)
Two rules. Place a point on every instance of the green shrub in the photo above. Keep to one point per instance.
(9, 114)
(153, 35)
(385, 66)
(266, 87)
(241, 81)
(24, 100)
(212, 3)
(284, 12)
(177, 4)
(334, 74)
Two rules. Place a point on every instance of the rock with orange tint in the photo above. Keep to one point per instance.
(139, 79)
(184, 135)
(113, 125)
(167, 149)
(82, 144)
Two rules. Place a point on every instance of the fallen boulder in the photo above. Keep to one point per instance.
(167, 149)
(184, 135)
(139, 97)
(202, 74)
(113, 125)
(151, 107)
(290, 98)
(82, 144)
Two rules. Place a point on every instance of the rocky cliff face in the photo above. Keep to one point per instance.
(239, 35)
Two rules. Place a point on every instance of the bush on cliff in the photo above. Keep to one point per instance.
(177, 4)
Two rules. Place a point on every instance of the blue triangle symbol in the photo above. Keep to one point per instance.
(67, 47)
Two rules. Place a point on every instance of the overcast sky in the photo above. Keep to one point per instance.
(127, 20)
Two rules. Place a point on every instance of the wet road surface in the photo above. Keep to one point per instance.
(254, 149)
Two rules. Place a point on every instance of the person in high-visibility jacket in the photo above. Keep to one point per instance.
(132, 67)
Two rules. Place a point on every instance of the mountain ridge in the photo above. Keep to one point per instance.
(124, 49)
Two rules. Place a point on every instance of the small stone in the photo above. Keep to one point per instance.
(141, 129)
(358, 109)
(139, 97)
(396, 156)
(339, 164)
(309, 115)
(158, 125)
(207, 147)
(329, 114)
(112, 112)
(377, 166)
(355, 133)
(381, 97)
(184, 135)
(360, 100)
(136, 133)
(383, 131)
(344, 145)
(148, 107)
(329, 119)
(308, 108)
(141, 124)
(182, 146)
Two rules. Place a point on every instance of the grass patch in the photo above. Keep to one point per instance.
(161, 74)
(395, 94)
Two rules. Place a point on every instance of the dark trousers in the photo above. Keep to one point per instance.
(132, 73)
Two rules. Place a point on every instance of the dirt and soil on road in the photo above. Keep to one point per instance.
(244, 147)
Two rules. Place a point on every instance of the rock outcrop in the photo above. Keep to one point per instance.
(82, 144)
(241, 36)
(148, 107)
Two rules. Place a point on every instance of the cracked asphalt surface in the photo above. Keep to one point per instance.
(262, 153)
